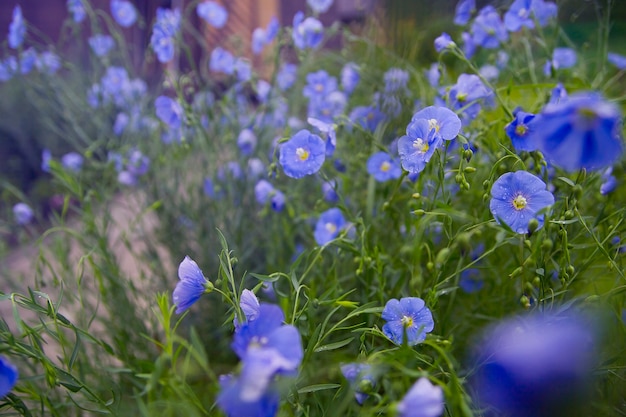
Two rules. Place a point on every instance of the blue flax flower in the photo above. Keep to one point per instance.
(307, 33)
(582, 131)
(265, 192)
(319, 6)
(368, 117)
(328, 226)
(359, 375)
(169, 111)
(516, 197)
(17, 28)
(562, 58)
(488, 30)
(163, 39)
(222, 61)
(383, 167)
(444, 121)
(191, 285)
(408, 316)
(544, 11)
(23, 214)
(609, 181)
(350, 77)
(230, 399)
(519, 15)
(443, 41)
(418, 145)
(8, 68)
(8, 376)
(287, 75)
(77, 10)
(213, 13)
(319, 85)
(423, 400)
(519, 129)
(123, 12)
(618, 60)
(539, 365)
(463, 11)
(72, 161)
(396, 80)
(246, 141)
(101, 44)
(302, 155)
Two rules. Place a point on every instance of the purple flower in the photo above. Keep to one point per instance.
(328, 226)
(72, 161)
(418, 145)
(302, 155)
(463, 11)
(537, 365)
(516, 197)
(138, 163)
(467, 89)
(123, 12)
(408, 316)
(17, 28)
(28, 60)
(191, 286)
(580, 132)
(357, 375)
(443, 41)
(319, 6)
(519, 129)
(383, 167)
(423, 400)
(222, 61)
(101, 44)
(445, 122)
(23, 215)
(350, 77)
(8, 376)
(489, 72)
(488, 30)
(618, 60)
(213, 13)
(243, 69)
(169, 111)
(287, 75)
(307, 33)
(77, 10)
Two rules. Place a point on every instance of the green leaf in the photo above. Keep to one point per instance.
(335, 345)
(318, 387)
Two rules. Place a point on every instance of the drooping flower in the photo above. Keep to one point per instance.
(77, 10)
(357, 375)
(328, 131)
(445, 122)
(328, 226)
(582, 131)
(8, 376)
(463, 11)
(423, 400)
(307, 33)
(191, 285)
(443, 41)
(123, 12)
(302, 155)
(23, 214)
(539, 365)
(519, 129)
(418, 145)
(101, 44)
(408, 316)
(516, 197)
(319, 6)
(383, 167)
(213, 13)
(488, 30)
(17, 28)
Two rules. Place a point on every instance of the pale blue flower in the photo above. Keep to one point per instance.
(213, 13)
(123, 12)
(423, 400)
(191, 285)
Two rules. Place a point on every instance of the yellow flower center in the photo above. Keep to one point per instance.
(433, 124)
(302, 154)
(521, 130)
(519, 202)
(330, 227)
(420, 145)
(461, 97)
(407, 321)
(319, 88)
(385, 166)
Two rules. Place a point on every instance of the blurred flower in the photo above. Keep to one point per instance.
(256, 168)
(443, 41)
(516, 197)
(383, 167)
(558, 94)
(329, 190)
(609, 181)
(396, 80)
(169, 111)
(445, 122)
(46, 156)
(488, 30)
(418, 145)
(328, 226)
(319, 6)
(265, 192)
(213, 13)
(77, 10)
(101, 44)
(489, 72)
(246, 141)
(121, 122)
(8, 68)
(8, 376)
(258, 40)
(163, 39)
(302, 155)
(543, 11)
(350, 77)
(423, 400)
(519, 15)
(72, 161)
(618, 60)
(17, 28)
(243, 69)
(580, 132)
(319, 84)
(123, 12)
(191, 285)
(471, 280)
(48, 62)
(287, 75)
(358, 374)
(222, 61)
(28, 60)
(138, 163)
(463, 11)
(408, 316)
(230, 400)
(433, 74)
(368, 117)
(23, 214)
(307, 33)
(539, 365)
(561, 58)
(519, 129)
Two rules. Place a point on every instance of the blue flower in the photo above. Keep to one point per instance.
(287, 75)
(329, 190)
(536, 365)
(28, 60)
(358, 374)
(368, 117)
(163, 39)
(246, 141)
(243, 69)
(443, 41)
(423, 400)
(101, 44)
(307, 33)
(265, 192)
(618, 60)
(48, 62)
(409, 315)
(519, 129)
(395, 79)
(582, 131)
(72, 161)
(191, 286)
(328, 226)
(609, 181)
(169, 111)
(8, 68)
(543, 11)
(519, 15)
(8, 376)
(516, 197)
(383, 167)
(77, 10)
(433, 74)
(302, 155)
(562, 58)
(212, 13)
(466, 93)
(463, 11)
(319, 85)
(558, 94)
(23, 214)
(445, 122)
(319, 6)
(471, 280)
(350, 77)
(222, 61)
(258, 40)
(123, 12)
(418, 145)
(17, 28)
(488, 30)
(230, 400)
